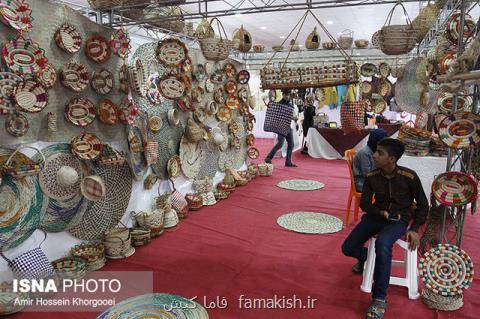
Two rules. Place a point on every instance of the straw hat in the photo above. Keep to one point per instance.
(67, 176)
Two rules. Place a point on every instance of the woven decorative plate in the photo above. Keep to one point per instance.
(128, 111)
(454, 188)
(233, 103)
(157, 305)
(153, 93)
(80, 111)
(376, 40)
(219, 96)
(385, 88)
(224, 114)
(379, 106)
(366, 87)
(97, 49)
(86, 146)
(102, 81)
(310, 223)
(172, 87)
(75, 76)
(209, 86)
(368, 69)
(17, 14)
(155, 123)
(185, 104)
(16, 124)
(23, 206)
(243, 77)
(198, 94)
(123, 79)
(300, 185)
(218, 77)
(231, 87)
(105, 213)
(174, 166)
(250, 139)
(48, 76)
(460, 130)
(24, 56)
(445, 102)
(68, 38)
(120, 43)
(171, 52)
(108, 112)
(188, 65)
(30, 96)
(446, 270)
(8, 82)
(243, 95)
(253, 153)
(212, 108)
(230, 70)
(384, 69)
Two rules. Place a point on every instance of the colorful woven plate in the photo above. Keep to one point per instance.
(102, 81)
(231, 87)
(30, 96)
(218, 77)
(366, 87)
(80, 111)
(174, 166)
(17, 14)
(384, 69)
(209, 86)
(172, 87)
(48, 76)
(253, 152)
(8, 82)
(108, 112)
(224, 114)
(68, 38)
(460, 130)
(243, 95)
(243, 77)
(368, 69)
(300, 185)
(120, 43)
(446, 270)
(171, 52)
(24, 56)
(445, 102)
(454, 188)
(310, 223)
(97, 49)
(233, 103)
(188, 65)
(198, 94)
(16, 124)
(128, 111)
(153, 93)
(157, 305)
(230, 70)
(86, 146)
(75, 76)
(219, 96)
(155, 123)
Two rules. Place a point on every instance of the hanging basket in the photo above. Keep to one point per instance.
(397, 39)
(242, 40)
(313, 40)
(204, 30)
(216, 49)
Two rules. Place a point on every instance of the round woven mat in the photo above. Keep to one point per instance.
(69, 204)
(454, 188)
(310, 223)
(233, 157)
(209, 166)
(407, 94)
(446, 270)
(157, 305)
(300, 185)
(23, 207)
(105, 213)
(460, 130)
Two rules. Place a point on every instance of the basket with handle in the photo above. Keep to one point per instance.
(23, 170)
(179, 203)
(216, 49)
(397, 39)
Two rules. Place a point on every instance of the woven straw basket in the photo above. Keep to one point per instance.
(345, 40)
(397, 39)
(313, 40)
(425, 20)
(216, 49)
(242, 40)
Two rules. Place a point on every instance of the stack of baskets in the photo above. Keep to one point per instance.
(117, 243)
(194, 201)
(140, 236)
(93, 253)
(417, 142)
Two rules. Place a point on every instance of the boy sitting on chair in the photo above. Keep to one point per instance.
(395, 189)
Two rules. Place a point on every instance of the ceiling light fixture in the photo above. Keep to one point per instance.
(282, 37)
(329, 22)
(263, 28)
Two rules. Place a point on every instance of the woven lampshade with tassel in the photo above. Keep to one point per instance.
(242, 40)
(313, 40)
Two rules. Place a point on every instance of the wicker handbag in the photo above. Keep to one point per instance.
(397, 39)
(216, 49)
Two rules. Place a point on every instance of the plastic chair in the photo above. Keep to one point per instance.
(409, 263)
(350, 154)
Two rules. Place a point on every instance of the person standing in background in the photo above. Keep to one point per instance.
(308, 114)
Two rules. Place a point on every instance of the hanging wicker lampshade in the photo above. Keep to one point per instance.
(242, 40)
(204, 30)
(313, 40)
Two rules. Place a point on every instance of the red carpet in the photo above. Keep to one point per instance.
(236, 248)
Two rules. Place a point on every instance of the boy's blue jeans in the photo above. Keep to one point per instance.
(387, 234)
(281, 140)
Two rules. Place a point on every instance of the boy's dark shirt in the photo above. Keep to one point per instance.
(395, 195)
